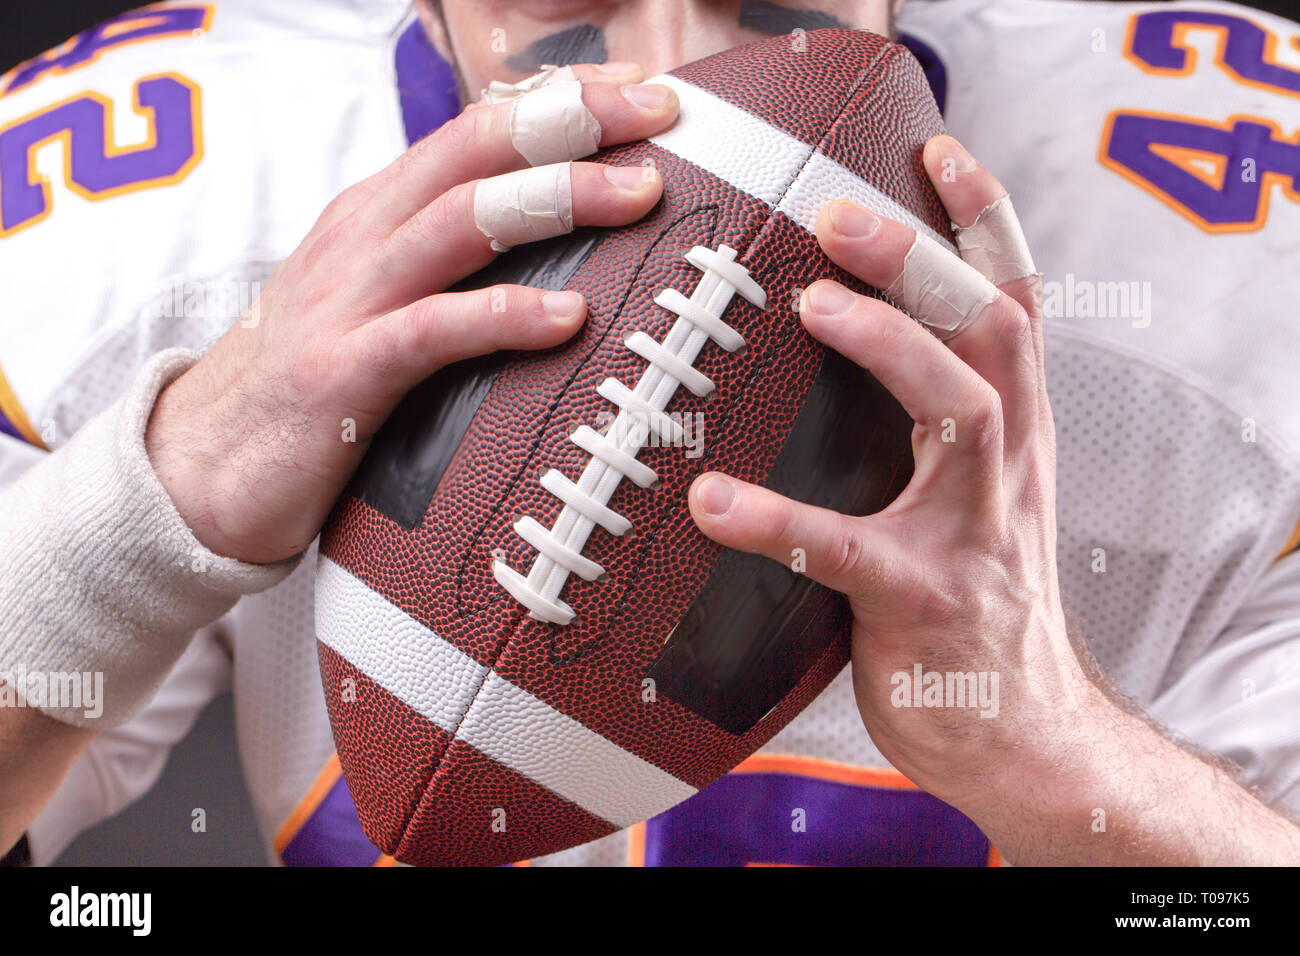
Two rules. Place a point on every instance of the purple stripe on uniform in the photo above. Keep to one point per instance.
(332, 835)
(426, 85)
(7, 428)
(754, 818)
(935, 73)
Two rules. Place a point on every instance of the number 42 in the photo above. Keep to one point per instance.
(1168, 155)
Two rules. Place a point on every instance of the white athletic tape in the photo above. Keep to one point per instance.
(498, 91)
(940, 290)
(995, 244)
(524, 206)
(549, 123)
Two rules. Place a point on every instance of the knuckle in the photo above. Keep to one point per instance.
(1036, 500)
(780, 524)
(341, 204)
(442, 218)
(984, 416)
(470, 130)
(437, 223)
(421, 326)
(404, 165)
(888, 331)
(1012, 325)
(845, 551)
(508, 311)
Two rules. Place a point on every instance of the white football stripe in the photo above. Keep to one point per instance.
(393, 649)
(823, 180)
(505, 722)
(761, 160)
(532, 738)
(737, 147)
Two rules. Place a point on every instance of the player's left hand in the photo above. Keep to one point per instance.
(959, 573)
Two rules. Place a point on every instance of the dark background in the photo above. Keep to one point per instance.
(28, 27)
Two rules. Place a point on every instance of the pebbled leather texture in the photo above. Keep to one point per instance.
(735, 647)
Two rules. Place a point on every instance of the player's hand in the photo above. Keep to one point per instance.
(256, 441)
(959, 573)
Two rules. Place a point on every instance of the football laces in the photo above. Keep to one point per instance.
(669, 366)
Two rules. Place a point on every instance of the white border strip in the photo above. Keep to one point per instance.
(464, 698)
(530, 737)
(737, 147)
(404, 657)
(768, 163)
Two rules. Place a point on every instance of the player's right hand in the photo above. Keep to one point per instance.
(252, 442)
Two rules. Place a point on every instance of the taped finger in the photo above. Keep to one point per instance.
(549, 123)
(498, 91)
(524, 206)
(995, 245)
(944, 293)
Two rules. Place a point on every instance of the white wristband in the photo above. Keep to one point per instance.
(102, 584)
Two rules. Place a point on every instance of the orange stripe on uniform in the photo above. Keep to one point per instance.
(1292, 542)
(13, 411)
(820, 769)
(310, 801)
(636, 844)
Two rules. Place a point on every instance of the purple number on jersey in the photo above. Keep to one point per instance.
(151, 23)
(1245, 48)
(93, 165)
(1248, 155)
(1218, 175)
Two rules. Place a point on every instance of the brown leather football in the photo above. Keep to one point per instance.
(525, 641)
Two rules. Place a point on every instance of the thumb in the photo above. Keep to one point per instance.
(847, 554)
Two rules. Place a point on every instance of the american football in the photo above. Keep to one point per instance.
(525, 641)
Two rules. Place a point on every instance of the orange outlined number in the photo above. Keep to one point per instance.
(1217, 175)
(158, 22)
(93, 165)
(1157, 43)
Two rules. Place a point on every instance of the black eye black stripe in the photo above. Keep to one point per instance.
(772, 18)
(581, 44)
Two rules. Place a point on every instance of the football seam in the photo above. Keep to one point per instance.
(462, 609)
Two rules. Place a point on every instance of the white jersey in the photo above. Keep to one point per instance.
(1151, 150)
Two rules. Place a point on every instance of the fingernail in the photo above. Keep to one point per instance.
(953, 151)
(855, 222)
(648, 96)
(716, 495)
(620, 66)
(561, 304)
(826, 298)
(630, 177)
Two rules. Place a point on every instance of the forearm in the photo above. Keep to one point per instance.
(102, 584)
(1115, 792)
(35, 754)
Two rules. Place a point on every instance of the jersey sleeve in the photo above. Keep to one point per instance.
(1240, 699)
(120, 765)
